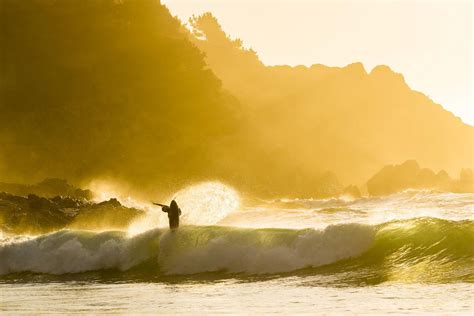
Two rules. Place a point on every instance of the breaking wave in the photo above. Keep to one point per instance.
(395, 248)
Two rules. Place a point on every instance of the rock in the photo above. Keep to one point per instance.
(32, 214)
(465, 183)
(109, 214)
(35, 214)
(395, 178)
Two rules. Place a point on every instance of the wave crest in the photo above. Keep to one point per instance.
(77, 251)
(192, 249)
(201, 249)
(424, 249)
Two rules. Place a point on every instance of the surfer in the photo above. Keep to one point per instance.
(173, 213)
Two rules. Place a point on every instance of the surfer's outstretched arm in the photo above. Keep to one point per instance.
(164, 208)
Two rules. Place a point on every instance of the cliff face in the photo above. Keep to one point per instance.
(340, 119)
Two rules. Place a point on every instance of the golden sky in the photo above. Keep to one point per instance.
(429, 42)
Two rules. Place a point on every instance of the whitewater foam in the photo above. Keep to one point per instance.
(76, 251)
(302, 213)
(192, 249)
(260, 251)
(420, 249)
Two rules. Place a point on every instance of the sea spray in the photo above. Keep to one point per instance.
(204, 203)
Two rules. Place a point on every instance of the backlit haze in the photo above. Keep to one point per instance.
(316, 156)
(429, 42)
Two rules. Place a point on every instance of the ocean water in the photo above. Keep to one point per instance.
(411, 252)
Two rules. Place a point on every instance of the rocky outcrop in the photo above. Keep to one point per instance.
(34, 214)
(465, 183)
(107, 214)
(408, 175)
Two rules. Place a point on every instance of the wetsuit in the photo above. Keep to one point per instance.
(173, 214)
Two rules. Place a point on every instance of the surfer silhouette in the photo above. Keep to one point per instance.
(173, 213)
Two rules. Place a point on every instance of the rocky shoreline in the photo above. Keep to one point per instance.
(34, 214)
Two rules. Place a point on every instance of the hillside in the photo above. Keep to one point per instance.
(106, 89)
(120, 91)
(346, 120)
